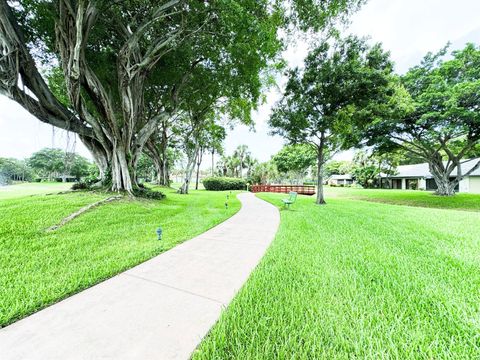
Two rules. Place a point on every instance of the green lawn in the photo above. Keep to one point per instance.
(26, 189)
(39, 268)
(468, 202)
(356, 280)
(177, 185)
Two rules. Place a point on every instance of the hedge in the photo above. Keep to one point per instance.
(224, 183)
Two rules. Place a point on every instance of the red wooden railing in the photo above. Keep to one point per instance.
(300, 189)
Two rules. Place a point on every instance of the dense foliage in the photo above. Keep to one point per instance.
(119, 70)
(336, 167)
(295, 158)
(14, 170)
(46, 164)
(224, 183)
(234, 165)
(264, 173)
(127, 66)
(434, 115)
(56, 163)
(342, 83)
(366, 167)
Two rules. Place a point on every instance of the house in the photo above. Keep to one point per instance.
(340, 180)
(418, 177)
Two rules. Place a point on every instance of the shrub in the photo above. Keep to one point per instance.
(146, 193)
(224, 183)
(80, 186)
(91, 180)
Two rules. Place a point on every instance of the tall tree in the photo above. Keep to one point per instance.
(157, 148)
(436, 116)
(79, 166)
(48, 163)
(113, 53)
(340, 85)
(146, 168)
(264, 173)
(211, 140)
(210, 100)
(222, 166)
(51, 163)
(243, 155)
(14, 170)
(215, 144)
(295, 159)
(336, 167)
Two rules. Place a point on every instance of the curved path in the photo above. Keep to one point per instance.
(160, 309)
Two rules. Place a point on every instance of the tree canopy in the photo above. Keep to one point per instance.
(120, 68)
(367, 166)
(342, 84)
(52, 163)
(234, 164)
(435, 115)
(14, 170)
(295, 159)
(263, 173)
(336, 167)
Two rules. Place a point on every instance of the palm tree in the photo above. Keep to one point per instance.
(221, 167)
(242, 154)
(251, 163)
(233, 165)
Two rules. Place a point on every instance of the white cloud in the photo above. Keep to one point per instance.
(411, 28)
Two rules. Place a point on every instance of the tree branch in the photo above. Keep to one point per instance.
(16, 61)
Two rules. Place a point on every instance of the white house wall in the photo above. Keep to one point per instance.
(474, 184)
(464, 185)
(422, 184)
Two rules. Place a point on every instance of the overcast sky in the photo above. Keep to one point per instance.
(407, 28)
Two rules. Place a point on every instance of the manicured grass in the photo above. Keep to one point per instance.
(359, 280)
(468, 202)
(39, 268)
(176, 185)
(27, 189)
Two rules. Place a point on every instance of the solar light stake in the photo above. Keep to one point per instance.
(226, 205)
(159, 233)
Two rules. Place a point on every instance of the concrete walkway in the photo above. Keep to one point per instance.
(160, 309)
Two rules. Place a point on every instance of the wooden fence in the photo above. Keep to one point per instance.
(300, 189)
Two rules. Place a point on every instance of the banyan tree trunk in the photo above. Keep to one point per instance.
(116, 164)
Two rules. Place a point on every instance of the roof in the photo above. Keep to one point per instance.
(341, 177)
(422, 170)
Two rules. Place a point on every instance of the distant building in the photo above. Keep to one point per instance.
(340, 180)
(418, 177)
